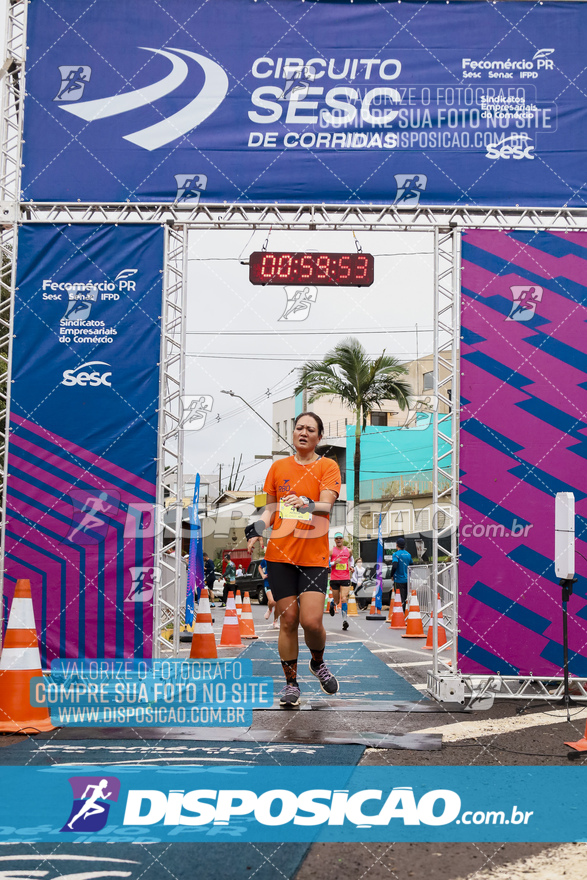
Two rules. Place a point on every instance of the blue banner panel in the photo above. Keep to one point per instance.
(83, 435)
(241, 803)
(372, 102)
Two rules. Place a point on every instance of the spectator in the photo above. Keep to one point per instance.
(209, 577)
(229, 579)
(400, 561)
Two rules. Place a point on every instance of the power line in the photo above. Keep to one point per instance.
(300, 332)
(291, 250)
(268, 357)
(271, 392)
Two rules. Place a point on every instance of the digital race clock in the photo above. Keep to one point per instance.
(322, 270)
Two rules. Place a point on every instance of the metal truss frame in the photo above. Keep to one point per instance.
(308, 217)
(444, 681)
(168, 564)
(445, 444)
(11, 92)
(13, 88)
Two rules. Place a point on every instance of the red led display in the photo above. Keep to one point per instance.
(322, 270)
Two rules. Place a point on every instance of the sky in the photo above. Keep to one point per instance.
(235, 340)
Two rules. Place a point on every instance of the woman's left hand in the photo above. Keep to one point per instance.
(294, 501)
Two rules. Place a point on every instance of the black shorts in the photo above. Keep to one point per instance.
(289, 580)
(336, 585)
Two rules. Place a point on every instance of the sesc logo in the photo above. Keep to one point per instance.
(515, 146)
(80, 376)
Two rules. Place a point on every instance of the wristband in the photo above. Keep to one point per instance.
(254, 530)
(308, 505)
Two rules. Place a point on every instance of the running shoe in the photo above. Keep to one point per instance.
(289, 695)
(345, 624)
(328, 682)
(332, 607)
(268, 613)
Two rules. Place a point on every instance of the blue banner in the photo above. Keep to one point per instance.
(373, 102)
(269, 803)
(83, 435)
(195, 580)
(379, 593)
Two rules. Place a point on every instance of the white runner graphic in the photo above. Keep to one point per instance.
(189, 117)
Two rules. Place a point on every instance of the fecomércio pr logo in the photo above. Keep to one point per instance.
(92, 798)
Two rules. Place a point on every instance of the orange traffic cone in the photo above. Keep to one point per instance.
(239, 610)
(581, 744)
(203, 641)
(247, 624)
(19, 663)
(352, 610)
(441, 631)
(231, 636)
(397, 618)
(327, 600)
(414, 630)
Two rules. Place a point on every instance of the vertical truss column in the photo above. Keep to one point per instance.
(13, 87)
(170, 452)
(445, 452)
(7, 274)
(11, 91)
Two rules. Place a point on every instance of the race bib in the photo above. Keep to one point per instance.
(287, 511)
(340, 566)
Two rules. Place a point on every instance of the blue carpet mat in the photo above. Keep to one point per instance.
(36, 752)
(361, 674)
(223, 857)
(215, 860)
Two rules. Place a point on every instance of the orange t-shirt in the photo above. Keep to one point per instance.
(297, 541)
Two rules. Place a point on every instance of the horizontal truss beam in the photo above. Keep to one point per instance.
(319, 217)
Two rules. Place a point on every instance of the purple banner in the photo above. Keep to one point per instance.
(523, 439)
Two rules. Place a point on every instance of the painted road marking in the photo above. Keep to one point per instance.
(411, 663)
(497, 726)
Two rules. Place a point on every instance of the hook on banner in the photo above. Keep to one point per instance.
(266, 242)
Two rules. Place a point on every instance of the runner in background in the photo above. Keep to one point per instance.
(301, 491)
(400, 561)
(341, 568)
(358, 575)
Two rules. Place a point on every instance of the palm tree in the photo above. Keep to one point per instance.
(347, 372)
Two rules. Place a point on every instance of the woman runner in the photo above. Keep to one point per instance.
(341, 569)
(300, 491)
